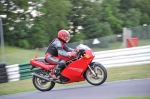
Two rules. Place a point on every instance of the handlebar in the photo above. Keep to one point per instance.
(81, 52)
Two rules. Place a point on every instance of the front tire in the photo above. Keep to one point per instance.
(100, 71)
(42, 84)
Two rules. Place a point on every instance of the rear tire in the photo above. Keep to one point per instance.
(101, 76)
(41, 84)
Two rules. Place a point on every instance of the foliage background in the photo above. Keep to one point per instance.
(96, 19)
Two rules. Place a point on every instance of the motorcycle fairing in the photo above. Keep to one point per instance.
(75, 70)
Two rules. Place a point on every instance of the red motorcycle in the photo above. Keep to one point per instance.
(78, 69)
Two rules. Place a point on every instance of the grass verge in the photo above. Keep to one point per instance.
(15, 55)
(114, 74)
(135, 98)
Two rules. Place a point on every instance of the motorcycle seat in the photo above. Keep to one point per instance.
(42, 59)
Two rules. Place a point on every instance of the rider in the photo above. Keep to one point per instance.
(57, 51)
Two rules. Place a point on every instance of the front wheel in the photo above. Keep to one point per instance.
(99, 76)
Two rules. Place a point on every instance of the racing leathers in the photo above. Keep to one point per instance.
(55, 54)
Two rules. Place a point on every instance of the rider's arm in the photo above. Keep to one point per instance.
(61, 52)
(68, 49)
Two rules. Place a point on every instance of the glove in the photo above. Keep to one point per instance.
(76, 50)
(72, 54)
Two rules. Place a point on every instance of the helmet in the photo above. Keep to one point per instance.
(64, 35)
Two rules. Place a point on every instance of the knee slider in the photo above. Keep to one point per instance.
(62, 64)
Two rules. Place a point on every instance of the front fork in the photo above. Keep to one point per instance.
(93, 71)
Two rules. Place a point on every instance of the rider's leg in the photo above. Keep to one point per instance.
(60, 66)
(52, 60)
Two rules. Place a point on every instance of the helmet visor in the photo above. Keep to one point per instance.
(67, 37)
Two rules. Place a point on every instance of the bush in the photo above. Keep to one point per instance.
(24, 44)
(104, 43)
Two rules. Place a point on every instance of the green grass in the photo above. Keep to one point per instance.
(135, 98)
(128, 72)
(144, 42)
(15, 55)
(114, 74)
(111, 47)
(117, 45)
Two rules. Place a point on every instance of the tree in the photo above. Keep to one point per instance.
(77, 37)
(51, 17)
(38, 37)
(15, 25)
(54, 17)
(132, 18)
(97, 19)
(111, 13)
(94, 29)
(144, 7)
(137, 12)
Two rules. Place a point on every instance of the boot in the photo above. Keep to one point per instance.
(52, 75)
(55, 73)
(59, 67)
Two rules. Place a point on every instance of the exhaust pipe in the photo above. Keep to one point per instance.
(39, 76)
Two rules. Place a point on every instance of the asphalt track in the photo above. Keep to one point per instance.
(108, 90)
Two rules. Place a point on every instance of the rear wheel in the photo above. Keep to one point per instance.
(100, 74)
(42, 84)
